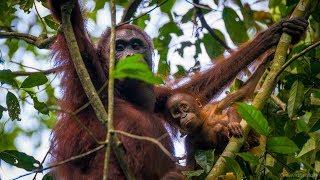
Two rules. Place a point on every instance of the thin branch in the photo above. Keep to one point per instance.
(133, 19)
(278, 102)
(79, 122)
(44, 158)
(120, 153)
(45, 72)
(129, 12)
(86, 129)
(64, 162)
(40, 42)
(42, 22)
(288, 168)
(209, 29)
(197, 5)
(149, 139)
(296, 56)
(110, 88)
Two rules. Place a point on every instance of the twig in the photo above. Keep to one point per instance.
(281, 162)
(40, 42)
(45, 72)
(44, 158)
(64, 162)
(197, 5)
(129, 12)
(278, 102)
(149, 139)
(79, 122)
(42, 22)
(110, 88)
(296, 56)
(267, 87)
(209, 29)
(120, 153)
(158, 5)
(86, 129)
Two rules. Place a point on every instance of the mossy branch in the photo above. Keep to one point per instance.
(279, 60)
(110, 87)
(79, 65)
(84, 77)
(40, 42)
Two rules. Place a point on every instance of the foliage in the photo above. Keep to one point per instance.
(292, 134)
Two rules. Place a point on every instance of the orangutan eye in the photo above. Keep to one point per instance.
(120, 46)
(184, 106)
(136, 44)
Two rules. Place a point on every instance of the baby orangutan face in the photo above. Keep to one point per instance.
(185, 110)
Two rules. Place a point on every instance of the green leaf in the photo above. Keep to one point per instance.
(205, 159)
(234, 166)
(1, 110)
(135, 67)
(167, 6)
(40, 106)
(295, 98)
(282, 145)
(169, 28)
(7, 77)
(48, 176)
(310, 145)
(20, 159)
(13, 106)
(289, 128)
(51, 22)
(302, 122)
(301, 126)
(141, 21)
(33, 80)
(213, 48)
(190, 174)
(187, 16)
(181, 72)
(247, 156)
(254, 118)
(234, 26)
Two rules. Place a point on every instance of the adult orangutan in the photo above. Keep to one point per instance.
(138, 106)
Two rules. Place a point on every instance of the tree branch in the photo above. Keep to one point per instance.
(208, 28)
(40, 42)
(278, 102)
(149, 139)
(46, 72)
(129, 12)
(158, 5)
(79, 64)
(110, 87)
(280, 56)
(296, 56)
(63, 162)
(83, 74)
(41, 164)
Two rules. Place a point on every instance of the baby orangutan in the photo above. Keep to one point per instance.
(212, 128)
